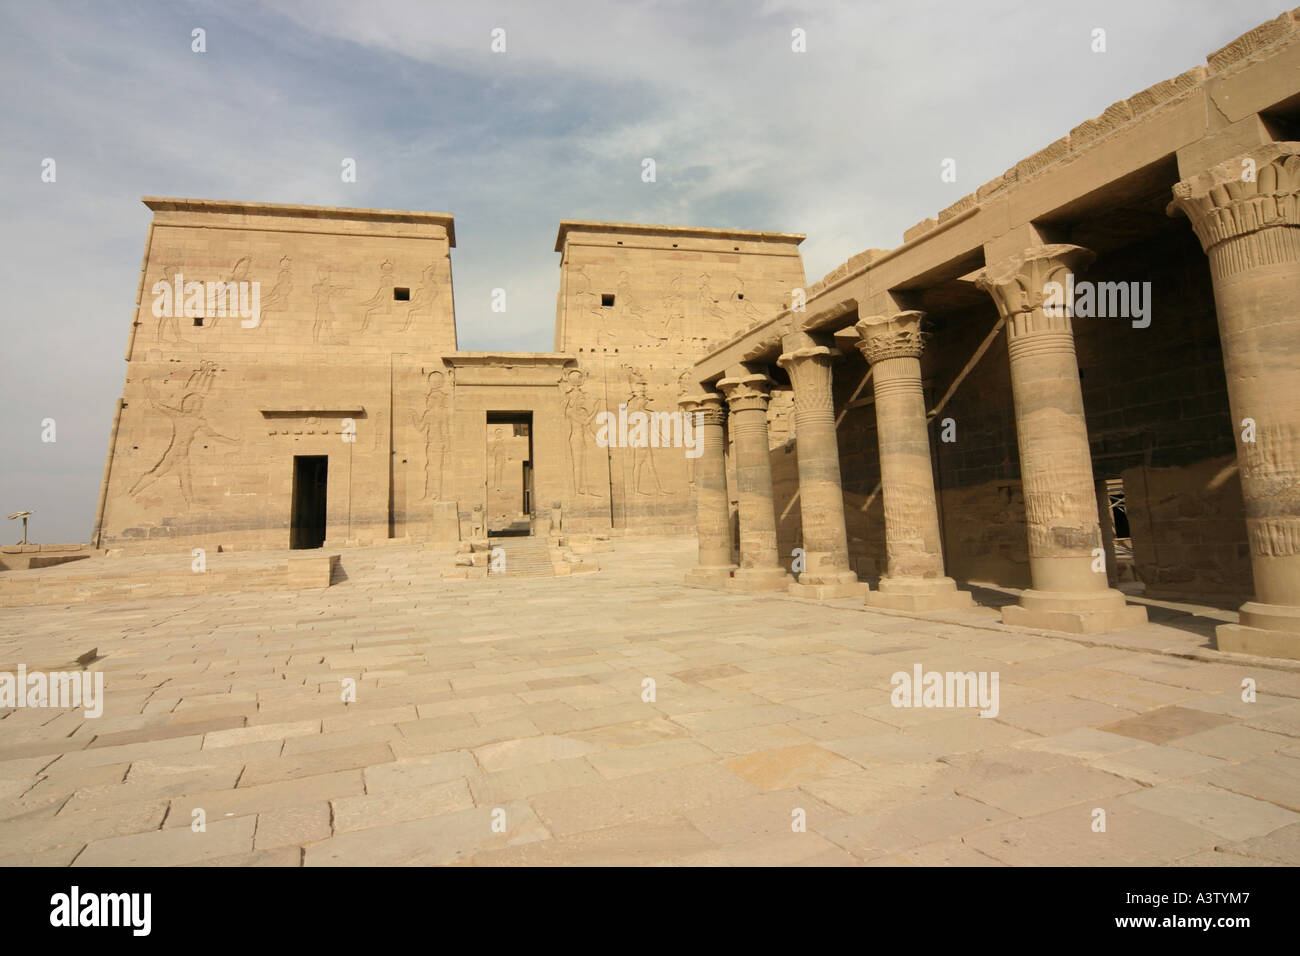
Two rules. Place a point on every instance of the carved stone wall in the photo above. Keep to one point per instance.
(216, 407)
(638, 306)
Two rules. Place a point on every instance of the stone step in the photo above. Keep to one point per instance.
(525, 557)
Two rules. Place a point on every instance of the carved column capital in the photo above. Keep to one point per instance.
(809, 369)
(747, 392)
(1245, 198)
(708, 407)
(1022, 285)
(890, 336)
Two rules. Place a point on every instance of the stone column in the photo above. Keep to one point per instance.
(1250, 229)
(825, 542)
(1070, 590)
(914, 580)
(760, 569)
(708, 416)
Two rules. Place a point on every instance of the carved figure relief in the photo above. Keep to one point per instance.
(580, 421)
(675, 308)
(709, 302)
(169, 323)
(630, 309)
(238, 274)
(187, 424)
(434, 425)
(278, 299)
(381, 303)
(498, 456)
(584, 299)
(645, 478)
(740, 305)
(425, 296)
(324, 290)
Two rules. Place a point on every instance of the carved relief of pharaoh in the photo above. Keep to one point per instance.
(278, 299)
(434, 424)
(324, 292)
(187, 424)
(234, 283)
(645, 477)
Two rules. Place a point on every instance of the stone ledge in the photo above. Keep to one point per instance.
(920, 229)
(311, 571)
(1251, 42)
(1257, 641)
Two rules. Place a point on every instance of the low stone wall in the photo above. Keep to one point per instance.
(20, 557)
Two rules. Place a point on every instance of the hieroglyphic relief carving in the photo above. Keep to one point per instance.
(324, 290)
(381, 303)
(584, 299)
(630, 309)
(1060, 509)
(674, 324)
(580, 418)
(645, 477)
(169, 323)
(741, 305)
(238, 274)
(425, 296)
(434, 424)
(709, 302)
(278, 298)
(214, 298)
(1270, 472)
(910, 555)
(187, 423)
(498, 446)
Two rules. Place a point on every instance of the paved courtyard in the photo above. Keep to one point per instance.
(507, 722)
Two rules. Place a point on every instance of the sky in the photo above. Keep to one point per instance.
(844, 142)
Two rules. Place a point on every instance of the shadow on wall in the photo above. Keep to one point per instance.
(785, 500)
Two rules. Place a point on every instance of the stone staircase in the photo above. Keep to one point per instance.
(528, 557)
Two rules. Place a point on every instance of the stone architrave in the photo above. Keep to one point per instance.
(1246, 212)
(1070, 589)
(708, 413)
(915, 579)
(826, 571)
(746, 388)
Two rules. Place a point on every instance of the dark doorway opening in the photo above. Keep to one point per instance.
(307, 521)
(1122, 550)
(510, 473)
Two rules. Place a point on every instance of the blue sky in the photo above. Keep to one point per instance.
(843, 142)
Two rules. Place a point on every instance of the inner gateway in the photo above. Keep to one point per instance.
(509, 473)
(310, 491)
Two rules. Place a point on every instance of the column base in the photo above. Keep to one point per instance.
(827, 588)
(759, 579)
(1090, 612)
(1266, 630)
(709, 577)
(919, 594)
